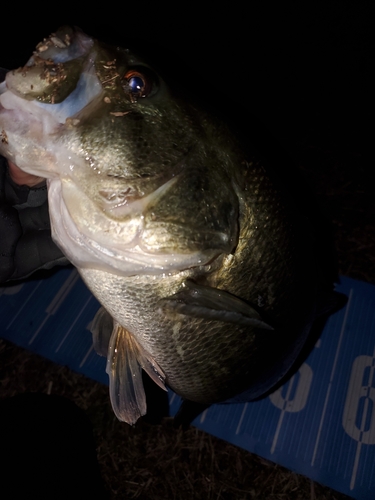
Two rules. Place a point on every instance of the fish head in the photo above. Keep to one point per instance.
(136, 183)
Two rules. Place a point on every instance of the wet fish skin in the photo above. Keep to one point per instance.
(193, 246)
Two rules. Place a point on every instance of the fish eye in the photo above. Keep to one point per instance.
(139, 83)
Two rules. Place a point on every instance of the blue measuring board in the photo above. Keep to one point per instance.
(321, 423)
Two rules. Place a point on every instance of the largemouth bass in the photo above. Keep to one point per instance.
(204, 265)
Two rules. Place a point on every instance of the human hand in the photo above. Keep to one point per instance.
(25, 234)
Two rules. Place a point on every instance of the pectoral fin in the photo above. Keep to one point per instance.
(211, 303)
(125, 361)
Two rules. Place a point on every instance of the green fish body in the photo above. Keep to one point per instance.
(203, 264)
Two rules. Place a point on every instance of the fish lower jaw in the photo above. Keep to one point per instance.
(101, 251)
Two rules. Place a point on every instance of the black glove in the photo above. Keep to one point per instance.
(25, 235)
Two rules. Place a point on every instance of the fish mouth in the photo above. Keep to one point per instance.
(90, 239)
(35, 106)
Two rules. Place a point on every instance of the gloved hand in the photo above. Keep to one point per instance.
(25, 235)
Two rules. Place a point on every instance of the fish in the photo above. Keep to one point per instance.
(204, 264)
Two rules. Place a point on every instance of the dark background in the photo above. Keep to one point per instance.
(295, 66)
(306, 72)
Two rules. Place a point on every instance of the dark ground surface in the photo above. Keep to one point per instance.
(313, 88)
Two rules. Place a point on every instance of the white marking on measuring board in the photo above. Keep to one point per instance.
(241, 418)
(203, 416)
(360, 396)
(23, 305)
(343, 326)
(58, 300)
(297, 403)
(10, 290)
(72, 325)
(86, 356)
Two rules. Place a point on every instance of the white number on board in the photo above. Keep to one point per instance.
(300, 384)
(358, 417)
